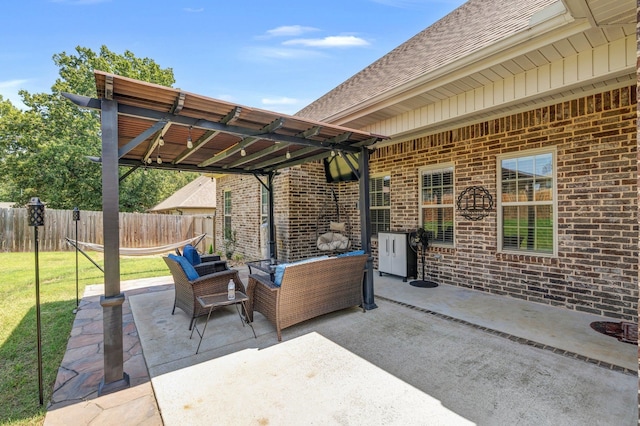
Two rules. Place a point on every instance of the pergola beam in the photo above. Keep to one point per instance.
(141, 138)
(244, 143)
(258, 154)
(156, 140)
(282, 159)
(198, 144)
(242, 132)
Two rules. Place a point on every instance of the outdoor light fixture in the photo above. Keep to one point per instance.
(76, 219)
(243, 152)
(35, 211)
(189, 141)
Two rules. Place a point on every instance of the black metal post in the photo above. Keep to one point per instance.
(35, 210)
(365, 228)
(76, 218)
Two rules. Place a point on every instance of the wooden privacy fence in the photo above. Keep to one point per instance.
(136, 229)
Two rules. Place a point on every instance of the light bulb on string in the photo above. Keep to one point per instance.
(287, 155)
(189, 141)
(161, 141)
(333, 153)
(243, 152)
(149, 160)
(159, 160)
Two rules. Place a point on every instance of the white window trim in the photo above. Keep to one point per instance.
(528, 153)
(433, 169)
(377, 176)
(224, 209)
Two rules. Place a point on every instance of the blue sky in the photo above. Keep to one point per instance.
(277, 55)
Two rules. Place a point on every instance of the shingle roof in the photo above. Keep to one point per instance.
(473, 26)
(199, 193)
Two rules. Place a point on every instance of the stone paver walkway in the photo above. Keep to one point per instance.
(75, 397)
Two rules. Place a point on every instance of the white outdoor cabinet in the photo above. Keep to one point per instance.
(395, 257)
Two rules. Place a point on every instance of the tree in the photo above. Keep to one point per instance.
(44, 149)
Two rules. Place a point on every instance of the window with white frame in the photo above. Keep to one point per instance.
(437, 204)
(527, 203)
(227, 214)
(380, 204)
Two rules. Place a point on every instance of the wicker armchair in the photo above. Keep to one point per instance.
(210, 283)
(308, 290)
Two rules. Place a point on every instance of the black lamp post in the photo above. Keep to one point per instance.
(35, 210)
(76, 218)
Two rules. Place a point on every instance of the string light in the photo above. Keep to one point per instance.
(189, 141)
(159, 160)
(333, 153)
(161, 141)
(287, 155)
(243, 152)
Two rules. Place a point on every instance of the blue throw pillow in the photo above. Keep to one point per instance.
(192, 255)
(351, 253)
(279, 273)
(187, 267)
(277, 277)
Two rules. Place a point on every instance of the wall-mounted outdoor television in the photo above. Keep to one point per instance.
(336, 168)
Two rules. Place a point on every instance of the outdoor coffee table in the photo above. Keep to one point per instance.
(265, 265)
(217, 300)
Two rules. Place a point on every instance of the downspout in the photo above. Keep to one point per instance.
(365, 229)
(273, 254)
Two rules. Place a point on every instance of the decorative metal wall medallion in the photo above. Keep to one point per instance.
(475, 203)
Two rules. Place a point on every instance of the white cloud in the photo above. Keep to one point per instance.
(259, 53)
(331, 41)
(192, 10)
(279, 101)
(9, 90)
(290, 31)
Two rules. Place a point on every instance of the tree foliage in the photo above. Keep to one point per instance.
(44, 149)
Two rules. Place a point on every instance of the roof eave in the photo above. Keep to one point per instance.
(544, 32)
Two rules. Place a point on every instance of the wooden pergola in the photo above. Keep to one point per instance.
(145, 125)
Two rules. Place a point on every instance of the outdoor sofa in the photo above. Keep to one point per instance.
(307, 289)
(204, 279)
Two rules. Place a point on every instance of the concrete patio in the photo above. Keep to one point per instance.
(444, 355)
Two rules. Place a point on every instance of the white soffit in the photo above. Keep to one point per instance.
(562, 50)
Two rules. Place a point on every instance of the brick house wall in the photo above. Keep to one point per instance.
(301, 194)
(596, 269)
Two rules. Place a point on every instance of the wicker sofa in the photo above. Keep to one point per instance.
(308, 290)
(212, 280)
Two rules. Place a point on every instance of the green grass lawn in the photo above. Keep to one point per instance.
(19, 404)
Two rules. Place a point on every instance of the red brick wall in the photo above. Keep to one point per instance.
(596, 269)
(301, 194)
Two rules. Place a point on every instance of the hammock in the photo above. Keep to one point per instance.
(141, 251)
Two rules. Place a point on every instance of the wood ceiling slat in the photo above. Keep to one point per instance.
(139, 97)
